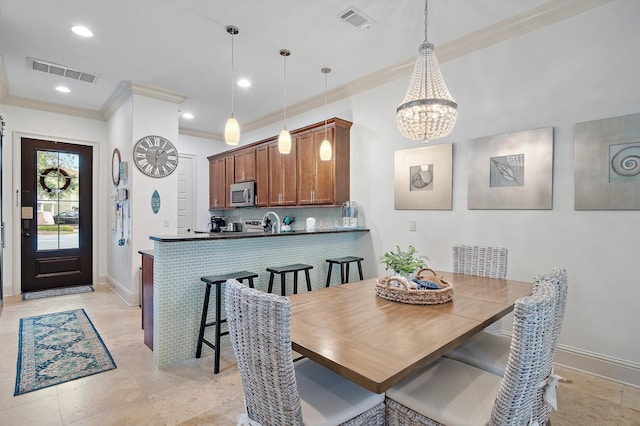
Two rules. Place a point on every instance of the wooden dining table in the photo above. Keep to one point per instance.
(376, 342)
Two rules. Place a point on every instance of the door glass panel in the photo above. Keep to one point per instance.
(57, 200)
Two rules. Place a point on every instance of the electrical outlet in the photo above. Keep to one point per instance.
(412, 225)
(320, 222)
(165, 222)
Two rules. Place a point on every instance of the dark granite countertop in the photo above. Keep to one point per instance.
(203, 235)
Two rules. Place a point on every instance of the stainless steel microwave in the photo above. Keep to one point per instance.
(243, 194)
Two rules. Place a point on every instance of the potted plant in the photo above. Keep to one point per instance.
(403, 262)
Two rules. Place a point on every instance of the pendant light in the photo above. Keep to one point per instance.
(284, 140)
(325, 146)
(428, 110)
(232, 128)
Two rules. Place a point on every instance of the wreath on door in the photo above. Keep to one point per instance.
(47, 172)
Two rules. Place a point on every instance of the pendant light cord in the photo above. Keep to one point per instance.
(426, 19)
(325, 103)
(233, 74)
(284, 96)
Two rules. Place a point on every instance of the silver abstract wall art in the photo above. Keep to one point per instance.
(607, 164)
(423, 178)
(511, 171)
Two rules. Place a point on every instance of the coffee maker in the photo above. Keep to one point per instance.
(217, 224)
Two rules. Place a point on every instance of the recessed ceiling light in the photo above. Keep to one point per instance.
(63, 89)
(243, 82)
(82, 31)
(187, 115)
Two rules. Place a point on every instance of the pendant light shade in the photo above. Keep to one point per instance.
(284, 140)
(232, 128)
(428, 110)
(325, 147)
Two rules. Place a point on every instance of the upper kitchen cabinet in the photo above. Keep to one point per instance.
(323, 182)
(262, 176)
(217, 183)
(245, 165)
(282, 176)
(229, 178)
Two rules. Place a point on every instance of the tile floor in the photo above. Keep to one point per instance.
(137, 393)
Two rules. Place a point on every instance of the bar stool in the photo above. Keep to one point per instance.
(282, 270)
(217, 280)
(344, 267)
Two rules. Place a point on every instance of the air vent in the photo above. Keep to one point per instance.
(61, 70)
(356, 18)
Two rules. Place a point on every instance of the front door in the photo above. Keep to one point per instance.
(56, 214)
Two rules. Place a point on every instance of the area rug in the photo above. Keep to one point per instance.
(62, 291)
(59, 347)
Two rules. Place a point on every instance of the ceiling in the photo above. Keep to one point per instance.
(181, 46)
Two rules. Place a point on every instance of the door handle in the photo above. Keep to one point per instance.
(2, 241)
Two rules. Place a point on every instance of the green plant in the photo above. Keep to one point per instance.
(401, 261)
(65, 229)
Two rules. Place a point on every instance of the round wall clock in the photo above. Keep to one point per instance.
(115, 166)
(155, 156)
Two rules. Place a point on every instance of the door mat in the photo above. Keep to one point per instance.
(59, 347)
(62, 291)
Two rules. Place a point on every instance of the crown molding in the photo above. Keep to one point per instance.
(51, 107)
(127, 88)
(200, 134)
(533, 19)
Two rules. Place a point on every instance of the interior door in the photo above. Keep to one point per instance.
(2, 230)
(56, 214)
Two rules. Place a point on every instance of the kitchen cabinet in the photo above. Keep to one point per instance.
(217, 183)
(324, 182)
(229, 178)
(245, 165)
(282, 176)
(262, 176)
(147, 297)
(299, 178)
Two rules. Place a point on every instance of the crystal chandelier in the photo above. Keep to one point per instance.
(232, 128)
(428, 110)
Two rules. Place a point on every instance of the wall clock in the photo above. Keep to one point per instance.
(155, 156)
(115, 167)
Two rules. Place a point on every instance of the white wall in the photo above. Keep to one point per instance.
(581, 69)
(21, 122)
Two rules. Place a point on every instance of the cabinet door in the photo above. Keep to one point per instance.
(282, 177)
(315, 177)
(324, 191)
(262, 176)
(217, 184)
(229, 178)
(245, 165)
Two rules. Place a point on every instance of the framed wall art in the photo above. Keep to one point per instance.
(511, 171)
(607, 164)
(423, 178)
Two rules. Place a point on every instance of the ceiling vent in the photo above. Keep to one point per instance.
(61, 70)
(356, 18)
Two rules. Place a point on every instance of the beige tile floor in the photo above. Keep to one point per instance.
(137, 393)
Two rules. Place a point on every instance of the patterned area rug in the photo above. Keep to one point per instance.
(57, 292)
(59, 347)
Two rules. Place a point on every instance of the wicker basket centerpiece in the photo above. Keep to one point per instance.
(399, 289)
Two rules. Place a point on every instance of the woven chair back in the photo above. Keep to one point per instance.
(531, 344)
(259, 327)
(481, 261)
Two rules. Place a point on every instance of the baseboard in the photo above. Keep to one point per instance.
(607, 367)
(131, 299)
(617, 370)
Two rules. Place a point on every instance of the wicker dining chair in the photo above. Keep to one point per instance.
(482, 261)
(275, 392)
(449, 392)
(489, 352)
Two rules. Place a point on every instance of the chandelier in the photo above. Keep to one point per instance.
(428, 110)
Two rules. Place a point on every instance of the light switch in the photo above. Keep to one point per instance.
(412, 225)
(165, 222)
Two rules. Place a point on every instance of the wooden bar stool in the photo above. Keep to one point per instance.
(344, 267)
(282, 270)
(217, 280)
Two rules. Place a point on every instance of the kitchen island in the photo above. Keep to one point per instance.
(179, 261)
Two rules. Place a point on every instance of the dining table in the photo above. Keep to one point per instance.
(376, 342)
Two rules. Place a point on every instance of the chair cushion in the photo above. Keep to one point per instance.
(328, 398)
(486, 351)
(449, 392)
